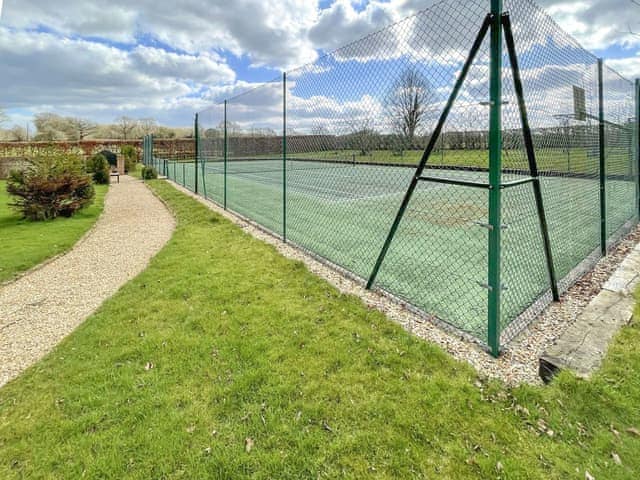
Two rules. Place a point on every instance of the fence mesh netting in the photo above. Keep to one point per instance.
(323, 158)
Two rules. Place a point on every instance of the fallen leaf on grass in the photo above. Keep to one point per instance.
(616, 458)
(326, 426)
(542, 425)
(191, 428)
(614, 431)
(248, 444)
(148, 366)
(633, 431)
(588, 476)
(499, 467)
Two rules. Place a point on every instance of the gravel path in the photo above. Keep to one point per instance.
(45, 305)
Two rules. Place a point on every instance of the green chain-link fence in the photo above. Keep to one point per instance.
(468, 161)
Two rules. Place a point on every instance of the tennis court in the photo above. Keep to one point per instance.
(342, 212)
(552, 142)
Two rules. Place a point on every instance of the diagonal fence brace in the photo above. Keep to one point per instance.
(531, 155)
(431, 146)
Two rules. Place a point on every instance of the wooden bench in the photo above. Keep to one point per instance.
(115, 173)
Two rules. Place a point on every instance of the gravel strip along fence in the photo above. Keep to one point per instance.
(518, 362)
(41, 308)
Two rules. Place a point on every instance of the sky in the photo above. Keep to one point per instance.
(101, 59)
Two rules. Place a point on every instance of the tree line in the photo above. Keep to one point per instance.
(53, 127)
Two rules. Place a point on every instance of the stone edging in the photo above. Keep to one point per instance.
(583, 346)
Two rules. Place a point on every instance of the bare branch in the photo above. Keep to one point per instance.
(80, 128)
(406, 104)
(362, 134)
(125, 126)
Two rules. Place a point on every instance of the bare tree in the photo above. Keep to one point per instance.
(125, 126)
(18, 134)
(3, 117)
(80, 128)
(406, 103)
(165, 132)
(106, 131)
(321, 138)
(50, 126)
(148, 126)
(362, 134)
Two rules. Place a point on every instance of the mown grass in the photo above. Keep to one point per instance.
(222, 340)
(577, 160)
(26, 244)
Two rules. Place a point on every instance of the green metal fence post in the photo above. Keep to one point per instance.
(603, 165)
(151, 151)
(196, 135)
(637, 142)
(224, 153)
(495, 177)
(284, 156)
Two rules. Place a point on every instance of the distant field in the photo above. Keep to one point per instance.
(576, 160)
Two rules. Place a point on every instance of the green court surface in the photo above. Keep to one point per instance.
(342, 212)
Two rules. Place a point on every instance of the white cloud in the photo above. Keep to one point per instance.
(78, 68)
(270, 33)
(41, 70)
(597, 24)
(201, 68)
(629, 67)
(341, 23)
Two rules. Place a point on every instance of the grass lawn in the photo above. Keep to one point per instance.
(25, 243)
(577, 160)
(222, 340)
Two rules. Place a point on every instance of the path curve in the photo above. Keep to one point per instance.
(42, 307)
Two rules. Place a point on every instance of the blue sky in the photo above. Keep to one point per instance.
(158, 59)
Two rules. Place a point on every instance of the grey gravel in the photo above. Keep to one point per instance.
(518, 362)
(42, 307)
